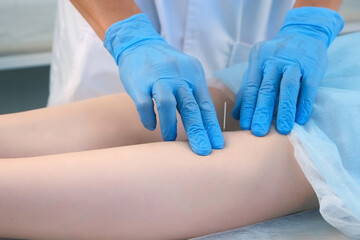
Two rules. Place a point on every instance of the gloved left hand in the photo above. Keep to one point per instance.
(151, 69)
(291, 66)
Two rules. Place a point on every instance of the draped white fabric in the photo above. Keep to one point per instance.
(217, 32)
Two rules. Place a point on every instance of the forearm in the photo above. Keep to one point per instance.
(101, 14)
(133, 193)
(332, 4)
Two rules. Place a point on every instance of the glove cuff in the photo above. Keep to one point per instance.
(129, 32)
(315, 21)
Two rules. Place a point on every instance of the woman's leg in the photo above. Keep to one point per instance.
(91, 124)
(151, 191)
(103, 122)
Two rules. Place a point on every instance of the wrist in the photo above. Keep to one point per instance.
(323, 23)
(128, 33)
(332, 4)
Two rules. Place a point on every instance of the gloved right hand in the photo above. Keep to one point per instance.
(151, 68)
(289, 67)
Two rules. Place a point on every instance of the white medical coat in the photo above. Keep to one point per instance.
(219, 33)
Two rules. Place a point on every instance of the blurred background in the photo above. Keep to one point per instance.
(26, 35)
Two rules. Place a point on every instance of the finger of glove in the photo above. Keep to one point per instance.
(191, 118)
(166, 107)
(209, 117)
(145, 107)
(263, 114)
(307, 97)
(249, 92)
(289, 91)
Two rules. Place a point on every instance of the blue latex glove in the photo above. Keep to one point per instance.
(151, 68)
(288, 68)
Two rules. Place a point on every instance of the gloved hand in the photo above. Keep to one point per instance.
(289, 68)
(151, 68)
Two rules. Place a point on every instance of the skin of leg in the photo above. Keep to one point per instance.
(136, 187)
(152, 191)
(104, 122)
